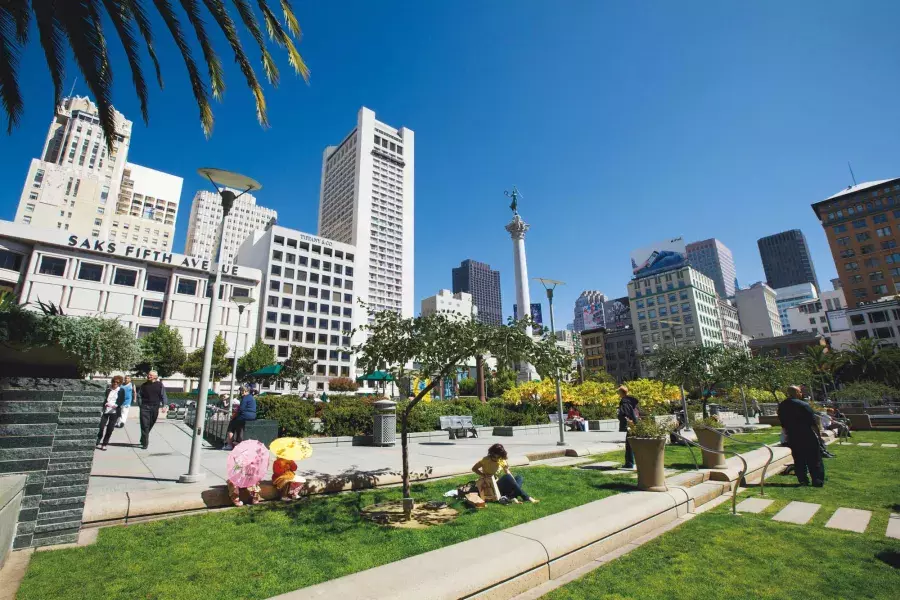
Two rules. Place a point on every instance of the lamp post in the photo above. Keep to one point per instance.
(242, 303)
(550, 285)
(216, 177)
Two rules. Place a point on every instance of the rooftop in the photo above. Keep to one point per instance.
(850, 189)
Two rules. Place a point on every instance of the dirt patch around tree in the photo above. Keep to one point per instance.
(423, 515)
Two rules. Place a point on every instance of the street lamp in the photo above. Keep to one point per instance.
(226, 179)
(550, 285)
(242, 303)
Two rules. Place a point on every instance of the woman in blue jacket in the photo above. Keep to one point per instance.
(246, 412)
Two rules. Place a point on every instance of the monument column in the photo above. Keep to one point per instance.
(517, 228)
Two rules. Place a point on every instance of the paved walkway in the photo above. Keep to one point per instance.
(801, 513)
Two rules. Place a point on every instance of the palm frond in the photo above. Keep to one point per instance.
(220, 14)
(278, 35)
(290, 19)
(121, 19)
(250, 22)
(213, 63)
(136, 9)
(21, 17)
(197, 85)
(52, 41)
(10, 95)
(81, 23)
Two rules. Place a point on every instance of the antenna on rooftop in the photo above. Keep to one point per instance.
(851, 172)
(72, 91)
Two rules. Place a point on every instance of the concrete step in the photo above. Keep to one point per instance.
(799, 513)
(850, 519)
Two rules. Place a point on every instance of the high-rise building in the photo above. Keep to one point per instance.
(590, 305)
(826, 315)
(713, 258)
(793, 295)
(621, 358)
(367, 200)
(862, 224)
(730, 324)
(246, 216)
(477, 278)
(69, 187)
(786, 259)
(447, 303)
(758, 311)
(617, 313)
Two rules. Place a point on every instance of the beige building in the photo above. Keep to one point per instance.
(246, 216)
(731, 324)
(758, 311)
(78, 186)
(446, 302)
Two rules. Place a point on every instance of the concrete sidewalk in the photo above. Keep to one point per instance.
(127, 482)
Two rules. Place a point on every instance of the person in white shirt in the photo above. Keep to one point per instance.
(112, 408)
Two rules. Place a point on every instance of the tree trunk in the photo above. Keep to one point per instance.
(404, 445)
(479, 378)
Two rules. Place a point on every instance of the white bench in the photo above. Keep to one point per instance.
(572, 424)
(458, 425)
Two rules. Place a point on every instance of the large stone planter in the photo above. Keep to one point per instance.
(649, 457)
(708, 438)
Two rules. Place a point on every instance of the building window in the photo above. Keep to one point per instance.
(90, 272)
(882, 218)
(187, 287)
(51, 265)
(862, 237)
(145, 330)
(880, 289)
(26, 219)
(10, 260)
(883, 232)
(157, 283)
(859, 223)
(127, 277)
(152, 308)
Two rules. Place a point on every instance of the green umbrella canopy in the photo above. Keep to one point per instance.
(267, 371)
(376, 376)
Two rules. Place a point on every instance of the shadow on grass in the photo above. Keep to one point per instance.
(889, 557)
(617, 486)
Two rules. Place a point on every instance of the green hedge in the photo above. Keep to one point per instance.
(292, 413)
(190, 396)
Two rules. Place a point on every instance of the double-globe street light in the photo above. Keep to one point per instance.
(225, 179)
(550, 285)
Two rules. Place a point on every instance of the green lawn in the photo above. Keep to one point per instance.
(720, 556)
(258, 552)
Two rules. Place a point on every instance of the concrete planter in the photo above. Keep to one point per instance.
(649, 457)
(708, 438)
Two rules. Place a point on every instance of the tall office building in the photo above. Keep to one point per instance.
(862, 224)
(69, 187)
(713, 258)
(477, 278)
(792, 296)
(367, 200)
(786, 259)
(758, 311)
(589, 304)
(206, 212)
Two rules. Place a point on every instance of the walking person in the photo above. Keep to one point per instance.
(130, 395)
(112, 406)
(799, 423)
(627, 413)
(246, 412)
(153, 395)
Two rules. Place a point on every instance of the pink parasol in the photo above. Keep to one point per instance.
(248, 463)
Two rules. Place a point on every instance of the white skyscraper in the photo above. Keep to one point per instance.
(206, 211)
(367, 200)
(69, 187)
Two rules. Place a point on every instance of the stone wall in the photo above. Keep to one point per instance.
(48, 428)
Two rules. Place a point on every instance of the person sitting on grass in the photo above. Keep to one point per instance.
(509, 485)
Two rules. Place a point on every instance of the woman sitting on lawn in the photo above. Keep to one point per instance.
(510, 486)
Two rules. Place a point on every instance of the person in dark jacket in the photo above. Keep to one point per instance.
(112, 408)
(799, 422)
(628, 413)
(153, 396)
(246, 412)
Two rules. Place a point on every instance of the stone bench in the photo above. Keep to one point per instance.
(756, 460)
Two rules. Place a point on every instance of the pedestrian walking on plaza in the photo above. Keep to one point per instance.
(112, 407)
(130, 394)
(799, 423)
(153, 396)
(628, 413)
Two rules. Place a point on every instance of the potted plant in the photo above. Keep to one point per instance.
(709, 437)
(648, 441)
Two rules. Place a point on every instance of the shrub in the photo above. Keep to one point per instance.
(342, 384)
(467, 386)
(191, 396)
(872, 392)
(347, 417)
(649, 428)
(292, 413)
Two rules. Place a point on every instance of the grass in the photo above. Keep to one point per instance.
(720, 556)
(262, 551)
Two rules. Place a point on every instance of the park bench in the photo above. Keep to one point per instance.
(458, 426)
(572, 424)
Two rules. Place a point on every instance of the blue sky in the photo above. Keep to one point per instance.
(621, 123)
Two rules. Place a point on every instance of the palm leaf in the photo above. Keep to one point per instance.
(53, 43)
(197, 85)
(20, 16)
(136, 9)
(220, 14)
(290, 19)
(214, 64)
(10, 95)
(281, 38)
(81, 23)
(121, 19)
(252, 25)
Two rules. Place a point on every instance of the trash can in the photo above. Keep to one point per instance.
(384, 426)
(713, 410)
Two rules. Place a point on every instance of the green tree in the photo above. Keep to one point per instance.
(79, 25)
(701, 367)
(775, 374)
(297, 368)
(823, 363)
(259, 356)
(162, 350)
(219, 367)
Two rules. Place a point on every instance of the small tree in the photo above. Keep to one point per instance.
(259, 356)
(775, 374)
(702, 367)
(162, 351)
(298, 367)
(342, 384)
(220, 366)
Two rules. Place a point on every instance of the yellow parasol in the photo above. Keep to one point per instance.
(290, 448)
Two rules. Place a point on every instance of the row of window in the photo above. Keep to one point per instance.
(280, 240)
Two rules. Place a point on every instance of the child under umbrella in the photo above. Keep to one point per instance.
(288, 450)
(247, 464)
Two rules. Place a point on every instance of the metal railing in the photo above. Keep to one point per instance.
(737, 482)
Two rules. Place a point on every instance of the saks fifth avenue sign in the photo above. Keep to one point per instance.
(158, 256)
